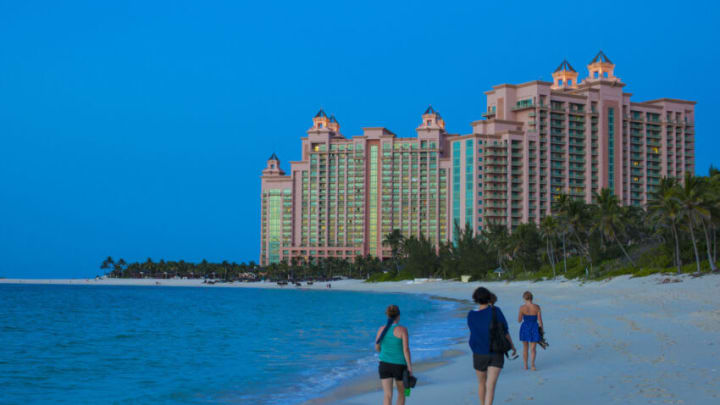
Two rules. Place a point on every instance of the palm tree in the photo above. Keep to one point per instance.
(576, 214)
(561, 207)
(421, 259)
(714, 190)
(446, 259)
(118, 267)
(609, 220)
(498, 240)
(107, 263)
(524, 245)
(691, 206)
(711, 204)
(148, 267)
(394, 240)
(548, 231)
(665, 211)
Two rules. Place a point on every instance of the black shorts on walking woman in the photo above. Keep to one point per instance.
(390, 370)
(481, 362)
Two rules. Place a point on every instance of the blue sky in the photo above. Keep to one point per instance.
(140, 129)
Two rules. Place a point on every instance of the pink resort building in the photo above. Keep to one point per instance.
(538, 140)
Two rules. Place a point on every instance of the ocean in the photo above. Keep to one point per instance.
(172, 345)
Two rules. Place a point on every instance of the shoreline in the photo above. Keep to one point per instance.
(624, 340)
(368, 383)
(359, 385)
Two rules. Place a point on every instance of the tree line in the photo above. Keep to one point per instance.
(172, 269)
(318, 269)
(676, 231)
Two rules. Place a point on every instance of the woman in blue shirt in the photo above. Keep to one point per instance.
(486, 363)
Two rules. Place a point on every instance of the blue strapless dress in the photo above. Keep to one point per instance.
(529, 330)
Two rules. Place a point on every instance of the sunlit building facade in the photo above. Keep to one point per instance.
(346, 194)
(538, 140)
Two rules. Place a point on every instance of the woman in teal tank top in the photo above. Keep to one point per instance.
(392, 341)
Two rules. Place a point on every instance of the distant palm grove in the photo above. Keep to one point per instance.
(676, 232)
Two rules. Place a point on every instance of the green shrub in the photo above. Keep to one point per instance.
(656, 257)
(646, 271)
(380, 277)
(389, 276)
(404, 275)
(692, 267)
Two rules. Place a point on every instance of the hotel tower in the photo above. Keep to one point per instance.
(538, 140)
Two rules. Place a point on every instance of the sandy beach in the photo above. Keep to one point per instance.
(622, 341)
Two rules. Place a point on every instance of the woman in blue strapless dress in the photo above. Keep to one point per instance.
(531, 319)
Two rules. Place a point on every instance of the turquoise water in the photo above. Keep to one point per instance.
(107, 344)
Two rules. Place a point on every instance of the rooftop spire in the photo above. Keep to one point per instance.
(564, 77)
(320, 114)
(565, 65)
(602, 68)
(273, 167)
(334, 125)
(432, 119)
(601, 57)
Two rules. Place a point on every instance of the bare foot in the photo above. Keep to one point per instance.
(533, 368)
(526, 367)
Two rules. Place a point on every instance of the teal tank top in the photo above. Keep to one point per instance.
(391, 348)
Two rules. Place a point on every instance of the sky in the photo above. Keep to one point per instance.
(139, 129)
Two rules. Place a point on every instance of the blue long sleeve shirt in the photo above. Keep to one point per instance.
(479, 324)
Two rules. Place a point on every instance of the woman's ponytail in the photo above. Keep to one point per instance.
(392, 312)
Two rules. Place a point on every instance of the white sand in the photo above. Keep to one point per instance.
(625, 341)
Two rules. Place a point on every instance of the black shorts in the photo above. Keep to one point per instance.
(390, 370)
(481, 362)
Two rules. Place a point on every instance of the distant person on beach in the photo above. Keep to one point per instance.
(531, 319)
(486, 363)
(392, 341)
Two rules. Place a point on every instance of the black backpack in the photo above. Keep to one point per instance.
(499, 343)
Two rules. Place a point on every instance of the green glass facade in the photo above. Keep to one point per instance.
(276, 223)
(456, 187)
(373, 202)
(469, 180)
